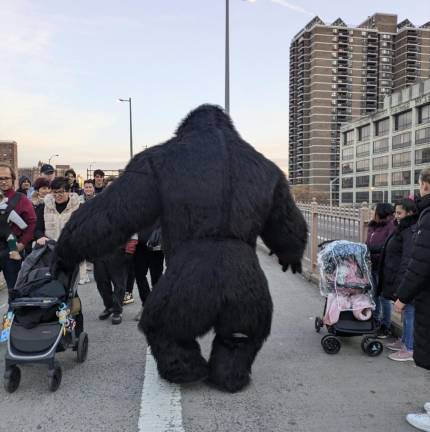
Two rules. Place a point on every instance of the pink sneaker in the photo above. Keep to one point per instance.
(402, 356)
(395, 346)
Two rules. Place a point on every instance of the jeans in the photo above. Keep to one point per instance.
(408, 327)
(384, 308)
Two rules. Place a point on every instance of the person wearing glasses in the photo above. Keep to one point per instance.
(55, 212)
(23, 207)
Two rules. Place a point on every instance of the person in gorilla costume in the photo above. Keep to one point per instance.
(214, 194)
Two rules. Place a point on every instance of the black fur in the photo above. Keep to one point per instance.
(214, 195)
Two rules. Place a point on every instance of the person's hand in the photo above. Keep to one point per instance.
(399, 306)
(20, 247)
(130, 247)
(42, 241)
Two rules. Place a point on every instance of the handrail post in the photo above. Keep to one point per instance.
(364, 221)
(314, 235)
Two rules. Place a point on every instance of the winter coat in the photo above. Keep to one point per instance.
(50, 221)
(395, 257)
(415, 285)
(377, 234)
(75, 188)
(36, 199)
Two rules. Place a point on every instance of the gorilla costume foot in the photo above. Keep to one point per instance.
(230, 363)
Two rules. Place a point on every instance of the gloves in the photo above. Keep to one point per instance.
(296, 267)
(130, 247)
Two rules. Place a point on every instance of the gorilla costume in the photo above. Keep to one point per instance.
(214, 195)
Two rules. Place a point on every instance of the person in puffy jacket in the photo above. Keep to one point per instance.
(380, 228)
(415, 287)
(394, 261)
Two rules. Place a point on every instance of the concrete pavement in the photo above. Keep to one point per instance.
(296, 386)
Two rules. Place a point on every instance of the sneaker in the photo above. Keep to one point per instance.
(395, 346)
(105, 314)
(419, 421)
(402, 356)
(138, 315)
(383, 332)
(128, 298)
(116, 318)
(83, 281)
(427, 407)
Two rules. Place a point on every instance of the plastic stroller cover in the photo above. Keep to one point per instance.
(345, 279)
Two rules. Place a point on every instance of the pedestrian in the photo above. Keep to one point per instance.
(88, 190)
(70, 174)
(22, 206)
(148, 257)
(25, 186)
(41, 189)
(380, 228)
(47, 171)
(415, 287)
(111, 270)
(394, 261)
(99, 181)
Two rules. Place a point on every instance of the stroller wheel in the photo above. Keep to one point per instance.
(54, 378)
(12, 378)
(82, 349)
(374, 348)
(318, 324)
(331, 344)
(364, 342)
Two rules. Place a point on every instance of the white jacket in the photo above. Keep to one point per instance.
(54, 221)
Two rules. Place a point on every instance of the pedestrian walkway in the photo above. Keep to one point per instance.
(296, 386)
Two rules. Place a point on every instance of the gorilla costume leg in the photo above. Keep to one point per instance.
(221, 286)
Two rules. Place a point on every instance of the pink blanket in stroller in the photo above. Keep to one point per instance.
(360, 305)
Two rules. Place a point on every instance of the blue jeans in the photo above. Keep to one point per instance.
(383, 311)
(408, 327)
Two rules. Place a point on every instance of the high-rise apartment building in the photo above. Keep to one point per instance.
(339, 73)
(9, 153)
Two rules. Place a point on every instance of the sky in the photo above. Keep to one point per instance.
(63, 65)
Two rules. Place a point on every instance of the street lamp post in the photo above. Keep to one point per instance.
(89, 171)
(50, 157)
(131, 126)
(331, 188)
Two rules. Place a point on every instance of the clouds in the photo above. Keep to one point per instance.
(293, 7)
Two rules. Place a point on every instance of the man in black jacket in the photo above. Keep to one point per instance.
(416, 287)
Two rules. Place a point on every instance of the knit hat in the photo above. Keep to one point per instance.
(22, 179)
(41, 182)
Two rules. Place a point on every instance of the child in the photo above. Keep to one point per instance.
(6, 234)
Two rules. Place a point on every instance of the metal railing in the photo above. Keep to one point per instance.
(331, 223)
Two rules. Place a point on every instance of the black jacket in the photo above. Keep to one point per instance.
(416, 284)
(395, 257)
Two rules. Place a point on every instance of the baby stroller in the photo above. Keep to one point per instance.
(44, 317)
(346, 283)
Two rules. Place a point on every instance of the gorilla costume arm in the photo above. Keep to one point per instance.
(285, 231)
(108, 220)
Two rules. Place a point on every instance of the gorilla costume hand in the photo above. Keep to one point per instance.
(295, 267)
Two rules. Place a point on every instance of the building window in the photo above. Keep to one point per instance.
(382, 127)
(363, 133)
(403, 120)
(401, 178)
(347, 197)
(348, 137)
(417, 176)
(422, 136)
(347, 168)
(380, 163)
(401, 159)
(422, 156)
(362, 165)
(380, 180)
(377, 197)
(424, 114)
(362, 181)
(347, 182)
(401, 141)
(363, 150)
(380, 146)
(398, 195)
(362, 197)
(348, 153)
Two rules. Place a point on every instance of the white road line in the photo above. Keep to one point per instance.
(160, 407)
